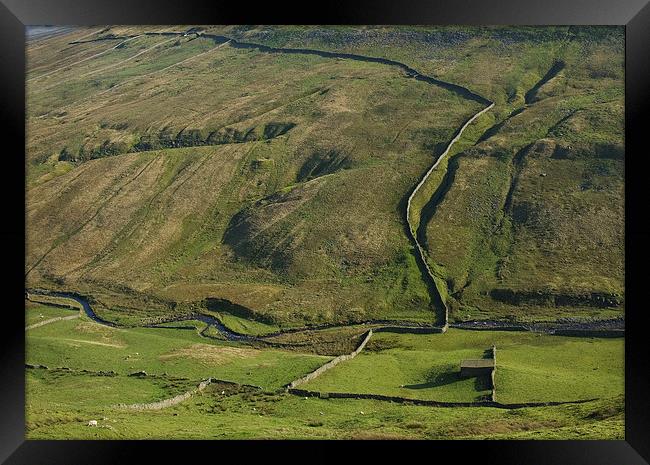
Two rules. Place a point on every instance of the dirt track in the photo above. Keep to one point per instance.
(51, 320)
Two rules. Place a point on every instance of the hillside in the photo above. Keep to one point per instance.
(169, 170)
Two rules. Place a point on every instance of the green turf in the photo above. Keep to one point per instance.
(61, 402)
(559, 368)
(284, 416)
(88, 390)
(246, 326)
(82, 344)
(36, 313)
(405, 372)
(530, 367)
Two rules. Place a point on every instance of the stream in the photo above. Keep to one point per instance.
(614, 327)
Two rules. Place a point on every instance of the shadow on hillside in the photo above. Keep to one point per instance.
(436, 199)
(438, 379)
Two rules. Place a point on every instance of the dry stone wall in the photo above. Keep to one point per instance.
(430, 403)
(410, 329)
(331, 364)
(181, 397)
(53, 300)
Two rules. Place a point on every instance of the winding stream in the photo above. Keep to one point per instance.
(603, 328)
(90, 313)
(227, 333)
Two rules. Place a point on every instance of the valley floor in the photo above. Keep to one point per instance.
(144, 383)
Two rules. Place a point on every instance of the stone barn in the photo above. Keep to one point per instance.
(478, 367)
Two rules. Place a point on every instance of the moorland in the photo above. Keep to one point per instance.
(215, 212)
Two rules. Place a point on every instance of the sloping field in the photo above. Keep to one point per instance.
(164, 170)
(530, 367)
(85, 345)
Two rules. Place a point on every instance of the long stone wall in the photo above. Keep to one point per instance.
(430, 403)
(437, 281)
(605, 328)
(606, 333)
(53, 300)
(181, 397)
(410, 329)
(331, 364)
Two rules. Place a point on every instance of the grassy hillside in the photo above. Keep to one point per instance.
(300, 224)
(261, 175)
(164, 171)
(530, 222)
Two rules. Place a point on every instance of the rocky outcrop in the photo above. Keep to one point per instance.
(197, 137)
(323, 162)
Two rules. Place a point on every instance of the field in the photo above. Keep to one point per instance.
(283, 416)
(530, 367)
(81, 373)
(240, 205)
(85, 345)
(38, 313)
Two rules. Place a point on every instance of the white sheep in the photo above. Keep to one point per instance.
(92, 423)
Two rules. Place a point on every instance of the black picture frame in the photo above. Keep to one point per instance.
(634, 14)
